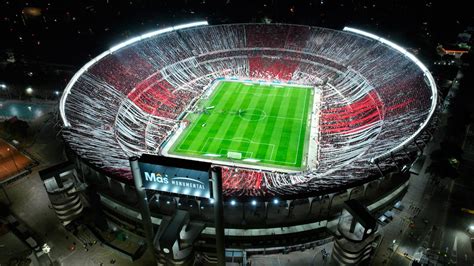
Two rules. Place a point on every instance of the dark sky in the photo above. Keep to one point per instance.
(71, 32)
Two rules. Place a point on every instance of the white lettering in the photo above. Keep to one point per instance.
(150, 177)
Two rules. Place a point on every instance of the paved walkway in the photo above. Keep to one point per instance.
(307, 257)
(30, 203)
(429, 223)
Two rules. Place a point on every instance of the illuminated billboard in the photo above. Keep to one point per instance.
(177, 176)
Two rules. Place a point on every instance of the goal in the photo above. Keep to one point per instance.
(234, 155)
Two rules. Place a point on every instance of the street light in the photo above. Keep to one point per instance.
(13, 159)
(29, 90)
(4, 87)
(46, 249)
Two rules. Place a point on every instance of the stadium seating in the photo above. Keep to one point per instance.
(132, 100)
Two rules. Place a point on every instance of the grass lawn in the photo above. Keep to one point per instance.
(250, 123)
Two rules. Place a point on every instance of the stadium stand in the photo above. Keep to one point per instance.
(131, 101)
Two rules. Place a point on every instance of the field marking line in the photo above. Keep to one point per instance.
(301, 126)
(188, 130)
(245, 140)
(205, 145)
(241, 152)
(299, 136)
(246, 119)
(287, 92)
(285, 87)
(230, 140)
(288, 118)
(273, 149)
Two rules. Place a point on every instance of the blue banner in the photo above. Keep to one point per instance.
(176, 180)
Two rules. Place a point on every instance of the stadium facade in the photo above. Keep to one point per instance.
(376, 106)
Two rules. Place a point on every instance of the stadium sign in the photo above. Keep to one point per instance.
(177, 176)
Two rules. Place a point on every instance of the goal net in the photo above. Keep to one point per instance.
(234, 155)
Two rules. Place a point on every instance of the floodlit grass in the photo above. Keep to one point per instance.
(262, 124)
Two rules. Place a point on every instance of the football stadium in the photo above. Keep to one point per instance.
(300, 119)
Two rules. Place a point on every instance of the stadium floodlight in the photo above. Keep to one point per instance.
(125, 43)
(426, 72)
(232, 202)
(154, 33)
(157, 32)
(254, 203)
(46, 248)
(82, 70)
(190, 25)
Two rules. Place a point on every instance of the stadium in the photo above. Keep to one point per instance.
(300, 118)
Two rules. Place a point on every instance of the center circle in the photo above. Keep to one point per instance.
(252, 114)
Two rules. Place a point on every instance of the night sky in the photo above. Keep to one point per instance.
(71, 32)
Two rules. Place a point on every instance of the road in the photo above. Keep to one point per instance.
(30, 203)
(432, 221)
(437, 226)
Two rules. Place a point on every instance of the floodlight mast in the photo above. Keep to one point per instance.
(216, 175)
(143, 201)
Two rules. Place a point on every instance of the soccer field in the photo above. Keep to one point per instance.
(250, 123)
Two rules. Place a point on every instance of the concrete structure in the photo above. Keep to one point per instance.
(60, 184)
(109, 118)
(357, 237)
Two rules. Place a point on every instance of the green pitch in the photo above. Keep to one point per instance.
(248, 123)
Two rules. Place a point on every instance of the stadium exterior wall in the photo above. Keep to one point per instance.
(274, 224)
